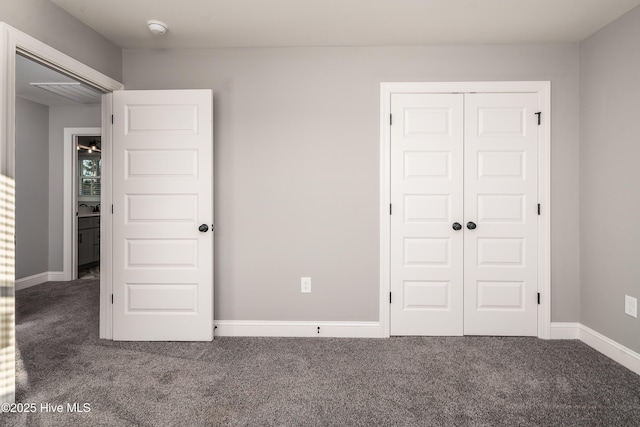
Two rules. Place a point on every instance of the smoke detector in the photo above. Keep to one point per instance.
(157, 27)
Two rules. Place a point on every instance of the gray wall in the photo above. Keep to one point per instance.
(48, 23)
(609, 178)
(60, 118)
(297, 165)
(39, 181)
(32, 195)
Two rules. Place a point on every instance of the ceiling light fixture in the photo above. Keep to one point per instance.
(89, 150)
(157, 27)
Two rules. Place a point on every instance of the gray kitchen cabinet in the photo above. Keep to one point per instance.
(88, 240)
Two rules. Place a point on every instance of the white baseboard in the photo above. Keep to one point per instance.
(559, 330)
(37, 279)
(565, 330)
(621, 354)
(250, 328)
(56, 276)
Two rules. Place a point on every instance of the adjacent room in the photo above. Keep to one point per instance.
(348, 213)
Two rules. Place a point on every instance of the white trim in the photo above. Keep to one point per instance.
(621, 354)
(265, 328)
(106, 221)
(56, 276)
(38, 279)
(565, 331)
(544, 219)
(610, 348)
(69, 200)
(29, 281)
(385, 203)
(543, 89)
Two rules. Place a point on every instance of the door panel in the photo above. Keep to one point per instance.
(501, 187)
(162, 192)
(426, 177)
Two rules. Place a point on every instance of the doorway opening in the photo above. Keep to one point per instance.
(12, 42)
(82, 199)
(46, 102)
(87, 186)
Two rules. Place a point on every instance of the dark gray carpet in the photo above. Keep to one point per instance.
(467, 381)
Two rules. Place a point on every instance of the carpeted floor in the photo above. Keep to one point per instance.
(92, 272)
(466, 381)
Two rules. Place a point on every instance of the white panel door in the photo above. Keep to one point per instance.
(426, 197)
(501, 188)
(162, 194)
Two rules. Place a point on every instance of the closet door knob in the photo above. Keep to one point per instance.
(456, 226)
(471, 225)
(203, 228)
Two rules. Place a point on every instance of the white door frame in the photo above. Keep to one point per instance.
(13, 41)
(70, 199)
(543, 89)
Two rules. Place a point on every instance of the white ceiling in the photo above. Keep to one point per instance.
(271, 23)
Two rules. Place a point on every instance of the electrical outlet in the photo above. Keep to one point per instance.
(305, 285)
(631, 306)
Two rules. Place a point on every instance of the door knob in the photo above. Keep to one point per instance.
(203, 228)
(471, 225)
(456, 226)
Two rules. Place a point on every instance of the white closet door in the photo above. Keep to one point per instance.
(426, 196)
(501, 187)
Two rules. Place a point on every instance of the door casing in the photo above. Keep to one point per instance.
(543, 90)
(69, 200)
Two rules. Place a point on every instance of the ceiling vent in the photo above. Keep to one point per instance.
(72, 90)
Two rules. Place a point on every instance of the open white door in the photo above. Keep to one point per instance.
(163, 215)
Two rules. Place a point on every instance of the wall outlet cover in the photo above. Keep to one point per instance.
(631, 306)
(305, 285)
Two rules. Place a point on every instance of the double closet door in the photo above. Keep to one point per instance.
(464, 186)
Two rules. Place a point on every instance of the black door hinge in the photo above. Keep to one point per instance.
(390, 209)
(111, 298)
(538, 208)
(538, 298)
(538, 114)
(390, 119)
(112, 119)
(112, 209)
(389, 297)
